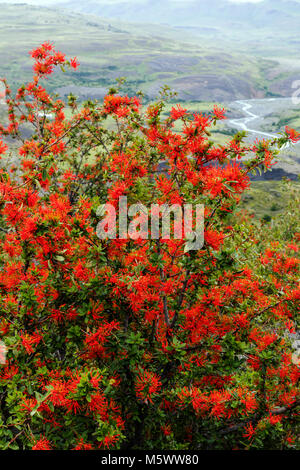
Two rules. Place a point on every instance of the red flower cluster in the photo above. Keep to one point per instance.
(147, 385)
(137, 342)
(46, 58)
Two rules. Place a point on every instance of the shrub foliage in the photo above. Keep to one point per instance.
(138, 343)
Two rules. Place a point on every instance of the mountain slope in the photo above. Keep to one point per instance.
(285, 13)
(147, 56)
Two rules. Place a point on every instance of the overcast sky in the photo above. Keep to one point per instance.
(49, 2)
(53, 2)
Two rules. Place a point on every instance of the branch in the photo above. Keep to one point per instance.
(181, 297)
(162, 278)
(276, 412)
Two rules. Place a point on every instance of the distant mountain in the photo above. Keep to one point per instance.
(201, 63)
(221, 13)
(148, 56)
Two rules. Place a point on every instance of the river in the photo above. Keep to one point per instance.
(255, 111)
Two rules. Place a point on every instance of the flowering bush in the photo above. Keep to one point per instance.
(138, 344)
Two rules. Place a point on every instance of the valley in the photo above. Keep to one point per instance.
(195, 64)
(251, 76)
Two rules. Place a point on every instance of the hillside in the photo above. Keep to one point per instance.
(268, 28)
(147, 56)
(285, 13)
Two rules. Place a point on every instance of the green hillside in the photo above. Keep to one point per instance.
(148, 56)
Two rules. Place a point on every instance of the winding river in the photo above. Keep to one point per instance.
(249, 108)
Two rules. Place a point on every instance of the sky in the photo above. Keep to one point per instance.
(52, 2)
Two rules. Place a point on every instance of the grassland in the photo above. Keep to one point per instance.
(203, 66)
(148, 56)
(266, 199)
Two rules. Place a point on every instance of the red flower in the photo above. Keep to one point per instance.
(292, 134)
(42, 444)
(178, 112)
(29, 341)
(147, 385)
(219, 113)
(3, 147)
(213, 238)
(109, 441)
(250, 431)
(81, 445)
(74, 63)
